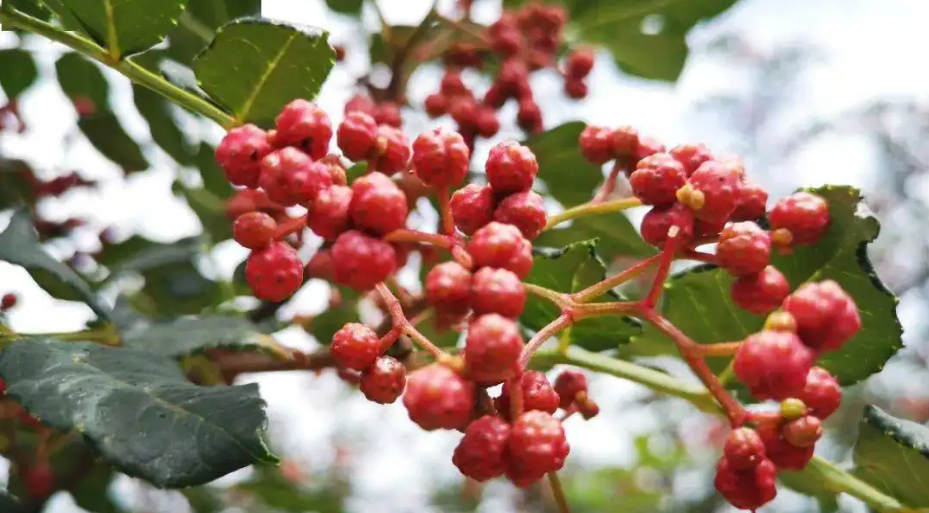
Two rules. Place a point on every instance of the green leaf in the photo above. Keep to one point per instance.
(569, 270)
(19, 72)
(202, 499)
(20, 246)
(140, 254)
(9, 503)
(254, 67)
(698, 300)
(33, 8)
(14, 188)
(893, 455)
(198, 25)
(214, 180)
(138, 411)
(350, 7)
(273, 490)
(617, 236)
(107, 135)
(187, 336)
(162, 125)
(210, 209)
(125, 27)
(91, 492)
(324, 325)
(81, 79)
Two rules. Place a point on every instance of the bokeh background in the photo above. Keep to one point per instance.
(807, 91)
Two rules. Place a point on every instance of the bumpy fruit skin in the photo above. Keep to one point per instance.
(383, 382)
(538, 394)
(329, 216)
(781, 452)
(537, 446)
(822, 393)
(240, 152)
(388, 113)
(511, 167)
(646, 147)
(497, 291)
(448, 287)
(304, 125)
(479, 454)
(378, 205)
(691, 156)
(393, 150)
(761, 292)
(360, 261)
(748, 489)
(744, 248)
(438, 398)
(624, 141)
(357, 136)
(290, 177)
(336, 168)
(720, 184)
(274, 272)
(826, 315)
(805, 215)
(743, 449)
(501, 245)
(773, 364)
(492, 348)
(596, 144)
(440, 158)
(355, 346)
(658, 221)
(656, 179)
(472, 207)
(568, 385)
(752, 202)
(254, 230)
(803, 432)
(524, 210)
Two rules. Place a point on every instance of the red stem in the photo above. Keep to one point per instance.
(400, 322)
(609, 185)
(664, 267)
(435, 239)
(562, 322)
(448, 223)
(598, 289)
(515, 386)
(291, 225)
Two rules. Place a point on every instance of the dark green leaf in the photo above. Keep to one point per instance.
(92, 492)
(195, 335)
(893, 455)
(214, 180)
(210, 209)
(273, 490)
(19, 72)
(19, 245)
(140, 254)
(9, 504)
(571, 269)
(126, 26)
(617, 236)
(107, 135)
(356, 171)
(162, 125)
(254, 67)
(180, 289)
(202, 499)
(352, 7)
(138, 411)
(81, 79)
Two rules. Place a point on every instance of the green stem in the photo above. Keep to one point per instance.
(590, 209)
(130, 69)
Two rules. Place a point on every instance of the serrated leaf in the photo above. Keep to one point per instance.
(893, 455)
(124, 27)
(19, 245)
(254, 67)
(199, 22)
(138, 411)
(81, 79)
(107, 135)
(187, 336)
(162, 125)
(698, 300)
(571, 269)
(19, 72)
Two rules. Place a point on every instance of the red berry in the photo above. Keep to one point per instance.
(289, 177)
(8, 301)
(580, 62)
(378, 205)
(537, 393)
(714, 191)
(744, 449)
(438, 398)
(472, 207)
(360, 103)
(537, 446)
(240, 152)
(479, 454)
(306, 126)
(384, 381)
(39, 480)
(393, 150)
(254, 230)
(657, 222)
(596, 143)
(529, 116)
(448, 287)
(624, 143)
(752, 202)
(656, 179)
(524, 210)
(805, 215)
(452, 84)
(388, 113)
(781, 452)
(336, 168)
(486, 121)
(497, 291)
(440, 158)
(319, 266)
(274, 272)
(492, 348)
(355, 346)
(463, 110)
(511, 167)
(826, 315)
(822, 394)
(357, 135)
(436, 105)
(645, 147)
(773, 364)
(568, 385)
(329, 216)
(501, 245)
(360, 261)
(575, 88)
(2, 387)
(497, 95)
(513, 73)
(746, 489)
(803, 432)
(691, 156)
(761, 292)
(744, 248)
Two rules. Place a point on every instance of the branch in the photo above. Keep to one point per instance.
(591, 209)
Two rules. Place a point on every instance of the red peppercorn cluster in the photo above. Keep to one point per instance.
(357, 348)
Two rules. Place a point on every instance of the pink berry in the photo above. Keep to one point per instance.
(360, 261)
(306, 126)
(822, 394)
(355, 346)
(388, 113)
(440, 158)
(781, 452)
(579, 62)
(329, 216)
(240, 152)
(596, 144)
(805, 215)
(826, 315)
(480, 453)
(497, 291)
(744, 449)
(568, 385)
(761, 292)
(658, 221)
(393, 150)
(289, 177)
(274, 272)
(537, 446)
(472, 207)
(529, 116)
(656, 179)
(773, 364)
(357, 136)
(436, 105)
(448, 287)
(383, 382)
(803, 432)
(524, 210)
(360, 103)
(537, 393)
(438, 398)
(254, 230)
(691, 156)
(744, 248)
(501, 245)
(752, 202)
(378, 205)
(746, 489)
(718, 185)
(511, 167)
(492, 348)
